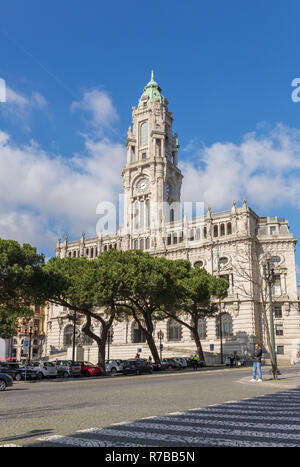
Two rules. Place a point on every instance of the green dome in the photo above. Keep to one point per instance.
(152, 90)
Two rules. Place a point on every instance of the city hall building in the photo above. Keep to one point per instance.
(234, 244)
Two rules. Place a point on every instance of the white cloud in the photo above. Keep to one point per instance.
(18, 108)
(42, 197)
(263, 168)
(99, 108)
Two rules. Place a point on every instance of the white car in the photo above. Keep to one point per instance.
(113, 366)
(181, 361)
(44, 369)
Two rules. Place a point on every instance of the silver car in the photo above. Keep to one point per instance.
(67, 368)
(44, 369)
(113, 366)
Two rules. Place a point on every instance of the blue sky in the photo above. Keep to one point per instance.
(74, 69)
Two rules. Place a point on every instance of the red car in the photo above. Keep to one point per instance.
(88, 369)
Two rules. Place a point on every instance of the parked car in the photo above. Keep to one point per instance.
(168, 363)
(88, 369)
(44, 369)
(114, 366)
(181, 362)
(67, 368)
(5, 381)
(136, 367)
(17, 370)
(190, 362)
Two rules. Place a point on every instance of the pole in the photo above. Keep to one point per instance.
(74, 336)
(221, 337)
(108, 344)
(272, 328)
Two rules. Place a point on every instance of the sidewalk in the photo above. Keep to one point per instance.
(289, 379)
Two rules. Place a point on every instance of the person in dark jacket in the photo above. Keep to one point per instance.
(257, 363)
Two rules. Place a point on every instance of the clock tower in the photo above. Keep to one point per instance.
(151, 178)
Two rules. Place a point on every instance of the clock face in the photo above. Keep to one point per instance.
(143, 185)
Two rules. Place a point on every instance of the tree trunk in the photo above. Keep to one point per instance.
(198, 343)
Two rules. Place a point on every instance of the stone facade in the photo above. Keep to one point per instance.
(233, 243)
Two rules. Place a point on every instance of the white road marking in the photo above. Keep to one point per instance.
(68, 440)
(189, 439)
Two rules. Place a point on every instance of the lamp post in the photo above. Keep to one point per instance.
(160, 335)
(74, 337)
(108, 342)
(269, 277)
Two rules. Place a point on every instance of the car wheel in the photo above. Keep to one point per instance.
(18, 377)
(40, 375)
(113, 371)
(138, 372)
(86, 373)
(2, 385)
(169, 367)
(65, 374)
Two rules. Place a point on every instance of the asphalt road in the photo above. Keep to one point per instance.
(30, 411)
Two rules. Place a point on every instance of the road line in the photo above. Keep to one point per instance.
(68, 440)
(200, 421)
(170, 438)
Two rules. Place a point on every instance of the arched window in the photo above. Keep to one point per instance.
(87, 340)
(202, 328)
(223, 260)
(227, 329)
(144, 134)
(169, 239)
(147, 243)
(136, 215)
(204, 232)
(222, 229)
(198, 234)
(192, 235)
(147, 213)
(174, 330)
(68, 335)
(141, 244)
(172, 215)
(138, 335)
(229, 228)
(175, 238)
(136, 244)
(216, 231)
(198, 264)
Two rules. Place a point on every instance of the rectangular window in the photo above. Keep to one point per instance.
(280, 349)
(278, 311)
(144, 155)
(276, 289)
(272, 230)
(279, 329)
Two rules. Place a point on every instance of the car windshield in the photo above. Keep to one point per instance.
(88, 364)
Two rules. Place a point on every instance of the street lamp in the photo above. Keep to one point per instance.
(269, 277)
(160, 335)
(74, 337)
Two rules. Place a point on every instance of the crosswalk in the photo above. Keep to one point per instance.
(264, 421)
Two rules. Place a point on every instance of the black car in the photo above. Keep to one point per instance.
(131, 367)
(17, 371)
(5, 381)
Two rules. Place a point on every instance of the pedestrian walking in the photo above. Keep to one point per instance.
(231, 358)
(195, 362)
(257, 363)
